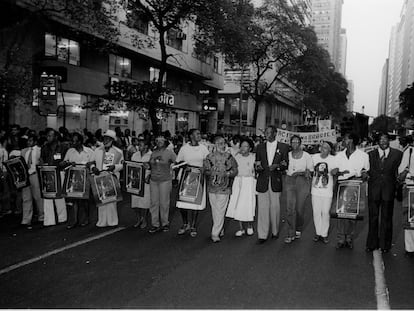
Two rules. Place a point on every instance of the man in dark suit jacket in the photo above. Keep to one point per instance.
(384, 163)
(271, 160)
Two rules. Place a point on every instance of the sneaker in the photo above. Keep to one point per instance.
(165, 228)
(340, 245)
(154, 229)
(183, 229)
(316, 238)
(240, 233)
(289, 239)
(298, 235)
(349, 244)
(250, 231)
(325, 240)
(215, 239)
(193, 232)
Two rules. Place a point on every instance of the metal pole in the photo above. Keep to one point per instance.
(64, 106)
(241, 100)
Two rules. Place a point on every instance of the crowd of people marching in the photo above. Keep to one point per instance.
(243, 178)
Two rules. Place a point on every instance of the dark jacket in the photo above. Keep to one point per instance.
(383, 176)
(53, 154)
(275, 176)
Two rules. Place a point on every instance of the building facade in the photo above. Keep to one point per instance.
(326, 20)
(382, 96)
(400, 60)
(343, 44)
(55, 45)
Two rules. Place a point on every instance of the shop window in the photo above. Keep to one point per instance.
(119, 66)
(63, 49)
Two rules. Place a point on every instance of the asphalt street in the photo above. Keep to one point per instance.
(131, 268)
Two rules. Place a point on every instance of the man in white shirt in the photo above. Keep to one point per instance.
(31, 155)
(352, 163)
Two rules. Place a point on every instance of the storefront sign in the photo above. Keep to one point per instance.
(308, 138)
(210, 107)
(166, 99)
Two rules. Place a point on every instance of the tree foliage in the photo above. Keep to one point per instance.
(384, 124)
(280, 50)
(406, 115)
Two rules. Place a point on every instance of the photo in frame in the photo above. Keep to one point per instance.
(408, 207)
(76, 183)
(105, 188)
(49, 181)
(191, 187)
(18, 171)
(134, 178)
(349, 200)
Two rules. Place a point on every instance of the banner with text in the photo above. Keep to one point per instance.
(308, 138)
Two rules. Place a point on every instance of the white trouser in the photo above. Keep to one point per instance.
(321, 207)
(409, 240)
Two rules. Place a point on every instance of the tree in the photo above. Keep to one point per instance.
(383, 123)
(165, 17)
(406, 115)
(273, 41)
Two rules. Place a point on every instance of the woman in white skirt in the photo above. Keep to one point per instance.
(242, 203)
(141, 205)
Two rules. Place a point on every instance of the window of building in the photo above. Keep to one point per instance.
(175, 39)
(216, 64)
(120, 66)
(63, 49)
(154, 74)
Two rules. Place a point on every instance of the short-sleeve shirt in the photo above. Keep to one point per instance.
(193, 155)
(322, 182)
(160, 162)
(299, 165)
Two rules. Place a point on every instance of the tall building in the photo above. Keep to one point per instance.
(343, 42)
(55, 44)
(383, 95)
(326, 20)
(400, 72)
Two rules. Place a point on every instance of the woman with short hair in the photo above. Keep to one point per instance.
(325, 169)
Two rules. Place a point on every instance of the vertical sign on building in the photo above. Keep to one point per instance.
(48, 94)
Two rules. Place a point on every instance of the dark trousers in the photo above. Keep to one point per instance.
(297, 190)
(78, 212)
(380, 224)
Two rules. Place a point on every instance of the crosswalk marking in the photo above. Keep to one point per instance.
(59, 250)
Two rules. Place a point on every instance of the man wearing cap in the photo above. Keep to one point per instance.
(108, 158)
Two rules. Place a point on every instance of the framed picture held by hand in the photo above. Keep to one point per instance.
(105, 188)
(49, 181)
(191, 185)
(350, 199)
(134, 178)
(76, 184)
(18, 171)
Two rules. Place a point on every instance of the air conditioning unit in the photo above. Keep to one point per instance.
(181, 35)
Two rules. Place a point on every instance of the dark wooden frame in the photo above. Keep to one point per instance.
(111, 180)
(53, 169)
(86, 183)
(142, 171)
(15, 180)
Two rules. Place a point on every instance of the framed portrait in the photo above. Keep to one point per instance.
(134, 178)
(76, 183)
(18, 171)
(349, 200)
(408, 207)
(49, 181)
(105, 188)
(191, 186)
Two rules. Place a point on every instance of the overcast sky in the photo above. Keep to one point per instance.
(368, 24)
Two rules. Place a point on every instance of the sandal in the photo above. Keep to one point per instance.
(183, 229)
(240, 233)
